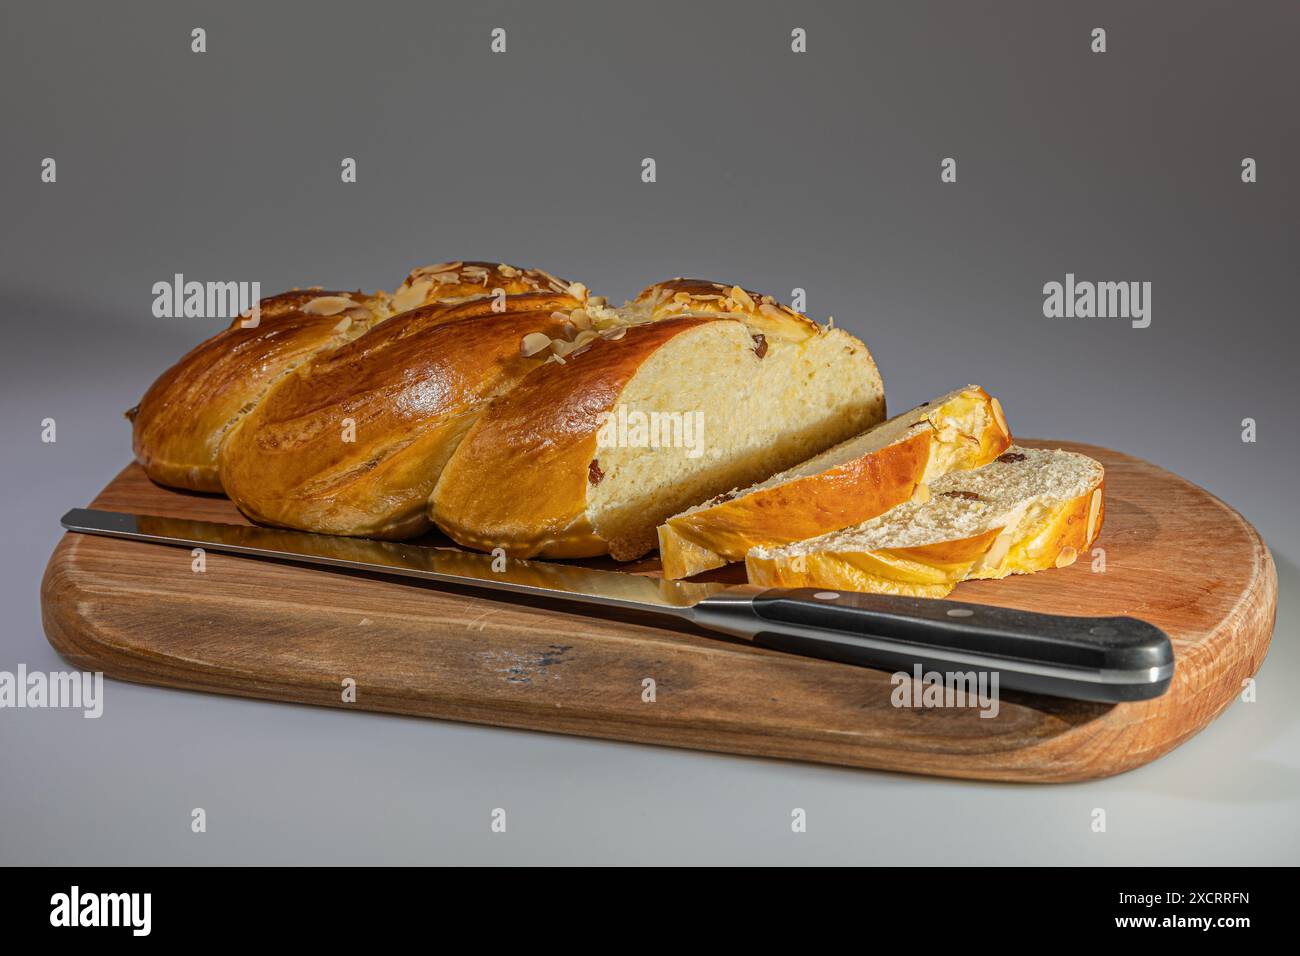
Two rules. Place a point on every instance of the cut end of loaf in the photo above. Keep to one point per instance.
(716, 408)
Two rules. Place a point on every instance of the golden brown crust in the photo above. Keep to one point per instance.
(543, 435)
(411, 388)
(180, 421)
(453, 281)
(703, 297)
(806, 507)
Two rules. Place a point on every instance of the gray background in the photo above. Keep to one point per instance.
(775, 170)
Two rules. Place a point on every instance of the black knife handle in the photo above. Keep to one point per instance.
(1087, 658)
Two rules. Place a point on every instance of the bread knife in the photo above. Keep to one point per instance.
(1109, 659)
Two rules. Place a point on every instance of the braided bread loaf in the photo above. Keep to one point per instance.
(476, 396)
(709, 387)
(181, 421)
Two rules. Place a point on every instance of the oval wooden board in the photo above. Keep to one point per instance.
(1175, 555)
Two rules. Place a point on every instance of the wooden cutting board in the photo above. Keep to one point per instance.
(1174, 555)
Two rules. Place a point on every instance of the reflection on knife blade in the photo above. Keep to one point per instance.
(449, 565)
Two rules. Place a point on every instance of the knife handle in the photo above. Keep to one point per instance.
(1109, 659)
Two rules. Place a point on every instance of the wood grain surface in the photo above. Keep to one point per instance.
(1175, 555)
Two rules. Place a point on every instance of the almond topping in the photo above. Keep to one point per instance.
(922, 493)
(533, 343)
(578, 291)
(1067, 557)
(345, 323)
(614, 334)
(437, 267)
(328, 305)
(997, 552)
(742, 297)
(508, 271)
(412, 296)
(1094, 510)
(999, 417)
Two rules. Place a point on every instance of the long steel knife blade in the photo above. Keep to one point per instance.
(1090, 658)
(442, 564)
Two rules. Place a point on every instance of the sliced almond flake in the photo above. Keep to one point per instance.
(578, 291)
(508, 271)
(946, 431)
(772, 312)
(614, 334)
(1067, 557)
(411, 296)
(555, 358)
(328, 305)
(533, 343)
(437, 267)
(741, 296)
(344, 324)
(999, 416)
(552, 280)
(359, 314)
(447, 278)
(997, 552)
(1094, 508)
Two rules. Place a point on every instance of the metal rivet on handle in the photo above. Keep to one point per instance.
(960, 612)
(826, 595)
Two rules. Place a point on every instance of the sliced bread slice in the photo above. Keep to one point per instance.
(1028, 510)
(588, 456)
(848, 484)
